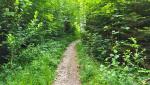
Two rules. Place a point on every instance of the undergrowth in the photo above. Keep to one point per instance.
(94, 73)
(37, 66)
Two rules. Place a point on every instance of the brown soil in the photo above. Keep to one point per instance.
(67, 72)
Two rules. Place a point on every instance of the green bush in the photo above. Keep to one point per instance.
(35, 65)
(112, 32)
(94, 73)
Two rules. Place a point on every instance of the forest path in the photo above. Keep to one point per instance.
(67, 72)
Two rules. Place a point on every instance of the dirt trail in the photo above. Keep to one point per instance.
(67, 72)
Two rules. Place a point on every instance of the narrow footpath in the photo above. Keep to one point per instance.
(67, 72)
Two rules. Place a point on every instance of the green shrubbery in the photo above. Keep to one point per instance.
(30, 31)
(115, 34)
(35, 65)
(94, 73)
(124, 52)
(112, 37)
(30, 22)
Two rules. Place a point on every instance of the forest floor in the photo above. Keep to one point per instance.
(67, 72)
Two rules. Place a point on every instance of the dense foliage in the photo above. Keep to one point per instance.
(30, 22)
(118, 31)
(33, 36)
(114, 33)
(36, 65)
(117, 35)
(94, 73)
